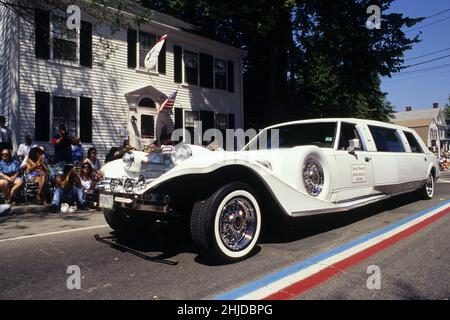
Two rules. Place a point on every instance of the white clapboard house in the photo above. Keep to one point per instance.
(99, 87)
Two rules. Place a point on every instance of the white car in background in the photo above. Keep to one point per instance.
(318, 166)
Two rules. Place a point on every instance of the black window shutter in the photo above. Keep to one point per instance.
(162, 59)
(178, 72)
(178, 118)
(42, 34)
(231, 124)
(132, 43)
(206, 70)
(86, 119)
(42, 116)
(207, 119)
(230, 76)
(86, 44)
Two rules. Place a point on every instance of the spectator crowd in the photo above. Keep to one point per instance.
(61, 179)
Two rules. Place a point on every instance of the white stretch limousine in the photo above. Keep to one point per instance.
(298, 168)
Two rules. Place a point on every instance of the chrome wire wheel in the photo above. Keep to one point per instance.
(237, 224)
(226, 226)
(313, 177)
(429, 186)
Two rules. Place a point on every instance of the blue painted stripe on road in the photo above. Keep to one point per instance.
(258, 284)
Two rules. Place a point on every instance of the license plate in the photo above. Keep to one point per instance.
(106, 201)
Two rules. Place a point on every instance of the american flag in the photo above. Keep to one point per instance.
(169, 102)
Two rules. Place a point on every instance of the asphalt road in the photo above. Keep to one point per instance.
(36, 251)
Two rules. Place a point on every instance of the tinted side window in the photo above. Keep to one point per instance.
(413, 143)
(386, 139)
(348, 132)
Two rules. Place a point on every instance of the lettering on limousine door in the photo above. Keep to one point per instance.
(358, 173)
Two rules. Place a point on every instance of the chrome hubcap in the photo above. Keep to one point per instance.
(430, 185)
(237, 224)
(313, 177)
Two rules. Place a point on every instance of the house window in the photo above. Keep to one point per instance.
(52, 111)
(189, 123)
(433, 134)
(191, 67)
(220, 74)
(65, 41)
(65, 112)
(147, 103)
(147, 120)
(146, 42)
(221, 121)
(147, 126)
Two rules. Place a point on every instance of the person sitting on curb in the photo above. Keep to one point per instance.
(94, 163)
(86, 177)
(38, 172)
(68, 190)
(10, 179)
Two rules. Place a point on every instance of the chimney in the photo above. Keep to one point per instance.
(408, 108)
(435, 105)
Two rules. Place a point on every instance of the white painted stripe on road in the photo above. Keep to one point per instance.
(53, 233)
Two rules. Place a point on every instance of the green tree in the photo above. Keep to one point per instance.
(447, 110)
(355, 55)
(99, 9)
(307, 58)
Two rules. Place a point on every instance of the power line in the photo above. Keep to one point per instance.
(427, 25)
(436, 14)
(428, 61)
(428, 54)
(419, 77)
(423, 69)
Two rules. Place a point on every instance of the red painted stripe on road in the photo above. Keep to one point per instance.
(308, 283)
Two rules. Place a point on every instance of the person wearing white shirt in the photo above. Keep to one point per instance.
(24, 148)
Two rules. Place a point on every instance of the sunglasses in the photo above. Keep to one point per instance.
(5, 154)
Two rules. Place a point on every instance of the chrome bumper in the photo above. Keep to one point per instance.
(146, 203)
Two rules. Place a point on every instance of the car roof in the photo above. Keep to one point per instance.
(354, 120)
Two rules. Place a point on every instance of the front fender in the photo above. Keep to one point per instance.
(293, 201)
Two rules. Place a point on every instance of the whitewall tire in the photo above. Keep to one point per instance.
(427, 191)
(226, 226)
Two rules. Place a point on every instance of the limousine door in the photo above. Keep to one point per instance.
(396, 169)
(354, 165)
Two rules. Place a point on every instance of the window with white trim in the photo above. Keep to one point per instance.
(220, 74)
(146, 42)
(191, 67)
(65, 112)
(64, 41)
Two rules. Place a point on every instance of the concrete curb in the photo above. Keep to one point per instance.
(38, 209)
(16, 210)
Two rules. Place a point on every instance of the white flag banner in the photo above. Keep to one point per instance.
(152, 56)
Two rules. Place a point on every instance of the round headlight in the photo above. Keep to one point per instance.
(313, 177)
(128, 159)
(181, 153)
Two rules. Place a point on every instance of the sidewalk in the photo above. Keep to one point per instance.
(27, 208)
(35, 209)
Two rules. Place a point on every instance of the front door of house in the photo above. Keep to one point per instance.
(145, 120)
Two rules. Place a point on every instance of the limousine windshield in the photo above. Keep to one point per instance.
(321, 134)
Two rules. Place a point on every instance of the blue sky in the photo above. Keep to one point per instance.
(422, 85)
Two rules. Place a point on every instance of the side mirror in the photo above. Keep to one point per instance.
(353, 145)
(351, 150)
